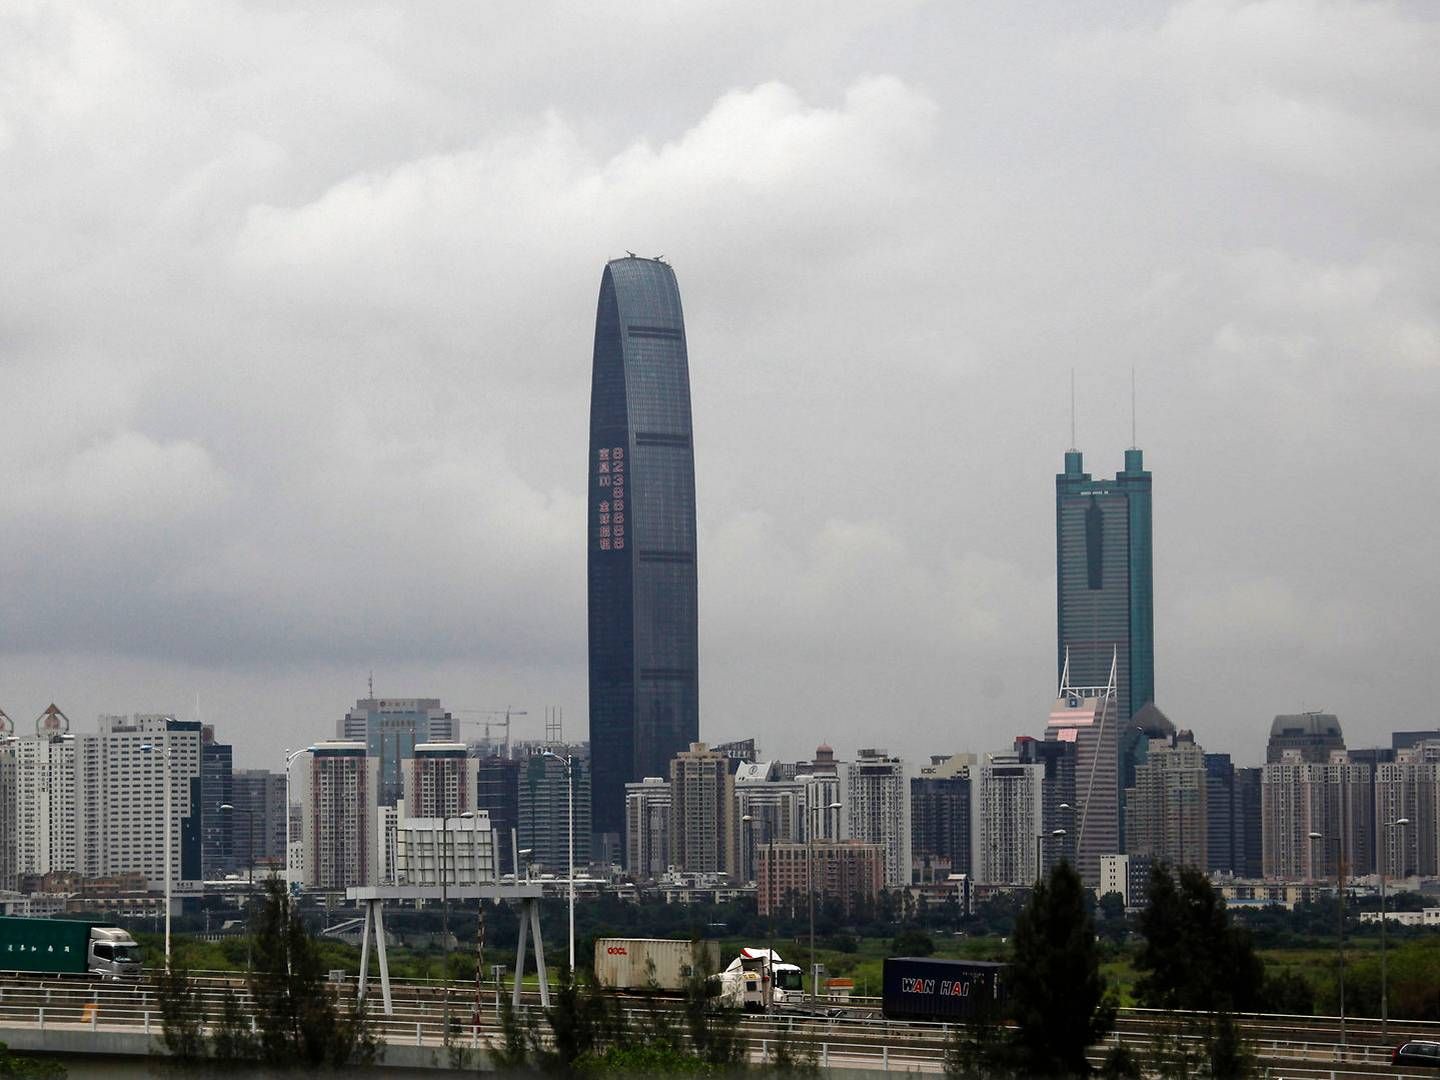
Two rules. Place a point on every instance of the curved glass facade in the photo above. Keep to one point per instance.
(644, 649)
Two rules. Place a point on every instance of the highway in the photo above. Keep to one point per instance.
(1304, 1048)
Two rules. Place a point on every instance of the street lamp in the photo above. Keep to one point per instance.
(290, 756)
(444, 868)
(769, 903)
(810, 876)
(1340, 920)
(165, 754)
(569, 764)
(1398, 823)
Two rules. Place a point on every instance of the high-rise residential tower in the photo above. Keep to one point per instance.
(644, 649)
(1105, 591)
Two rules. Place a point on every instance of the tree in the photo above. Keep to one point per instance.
(1192, 956)
(912, 942)
(1057, 994)
(300, 1021)
(29, 1068)
(1112, 906)
(1198, 965)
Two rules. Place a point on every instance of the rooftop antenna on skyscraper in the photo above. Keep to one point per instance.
(1133, 444)
(1072, 409)
(372, 684)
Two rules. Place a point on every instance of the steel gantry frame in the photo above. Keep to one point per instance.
(372, 898)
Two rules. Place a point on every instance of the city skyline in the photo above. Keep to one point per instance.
(290, 355)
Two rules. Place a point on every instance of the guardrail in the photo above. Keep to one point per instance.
(1300, 1043)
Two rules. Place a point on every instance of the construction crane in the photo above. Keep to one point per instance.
(498, 717)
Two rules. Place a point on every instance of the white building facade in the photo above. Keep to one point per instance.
(877, 801)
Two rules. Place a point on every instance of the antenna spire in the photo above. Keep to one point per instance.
(1072, 409)
(1133, 441)
(372, 683)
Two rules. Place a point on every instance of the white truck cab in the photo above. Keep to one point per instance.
(113, 953)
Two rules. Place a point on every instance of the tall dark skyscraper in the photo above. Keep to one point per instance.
(1105, 590)
(644, 649)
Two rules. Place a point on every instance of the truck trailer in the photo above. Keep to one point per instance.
(652, 963)
(943, 991)
(67, 947)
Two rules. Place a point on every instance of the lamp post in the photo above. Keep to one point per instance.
(810, 881)
(569, 764)
(290, 756)
(1340, 918)
(165, 754)
(1398, 823)
(445, 908)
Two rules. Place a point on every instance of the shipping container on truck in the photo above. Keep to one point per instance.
(943, 991)
(67, 947)
(653, 963)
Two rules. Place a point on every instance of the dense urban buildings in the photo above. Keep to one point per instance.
(641, 569)
(849, 873)
(258, 832)
(1166, 816)
(1105, 591)
(546, 804)
(940, 818)
(497, 792)
(390, 728)
(647, 828)
(1057, 815)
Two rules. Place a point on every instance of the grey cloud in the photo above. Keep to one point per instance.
(295, 335)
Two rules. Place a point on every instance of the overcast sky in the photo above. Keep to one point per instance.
(296, 309)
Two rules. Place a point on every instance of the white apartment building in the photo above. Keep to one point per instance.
(47, 812)
(775, 808)
(647, 828)
(122, 776)
(9, 808)
(1006, 819)
(877, 801)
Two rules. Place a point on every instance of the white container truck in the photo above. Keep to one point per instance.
(652, 963)
(758, 979)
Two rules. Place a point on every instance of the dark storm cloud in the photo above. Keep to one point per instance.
(296, 320)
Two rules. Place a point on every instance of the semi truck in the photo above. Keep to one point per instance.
(758, 978)
(67, 947)
(659, 964)
(943, 991)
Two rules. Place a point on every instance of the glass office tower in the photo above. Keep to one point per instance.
(644, 652)
(1105, 591)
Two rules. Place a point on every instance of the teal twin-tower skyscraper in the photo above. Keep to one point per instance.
(1105, 591)
(641, 574)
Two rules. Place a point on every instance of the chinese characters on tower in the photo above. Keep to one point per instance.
(610, 473)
